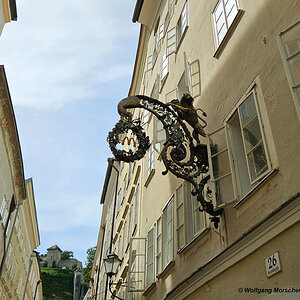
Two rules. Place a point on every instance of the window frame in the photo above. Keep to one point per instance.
(268, 145)
(180, 29)
(167, 241)
(261, 127)
(294, 86)
(221, 2)
(149, 281)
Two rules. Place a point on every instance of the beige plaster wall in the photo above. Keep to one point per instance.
(251, 273)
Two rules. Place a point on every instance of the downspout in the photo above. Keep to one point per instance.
(36, 287)
(111, 163)
(28, 274)
(12, 207)
(98, 275)
(40, 273)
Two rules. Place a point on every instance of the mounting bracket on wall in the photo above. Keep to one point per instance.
(182, 154)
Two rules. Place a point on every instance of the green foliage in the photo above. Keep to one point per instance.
(54, 265)
(67, 255)
(74, 267)
(58, 282)
(89, 263)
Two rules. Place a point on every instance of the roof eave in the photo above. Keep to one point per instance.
(137, 10)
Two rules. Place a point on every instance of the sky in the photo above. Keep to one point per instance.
(68, 63)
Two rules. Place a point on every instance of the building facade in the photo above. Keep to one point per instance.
(240, 60)
(8, 12)
(19, 234)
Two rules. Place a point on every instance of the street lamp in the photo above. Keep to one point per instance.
(111, 265)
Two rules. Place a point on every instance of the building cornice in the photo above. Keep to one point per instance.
(11, 139)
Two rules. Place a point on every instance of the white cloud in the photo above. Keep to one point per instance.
(60, 50)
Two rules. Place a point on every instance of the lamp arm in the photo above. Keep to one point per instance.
(109, 287)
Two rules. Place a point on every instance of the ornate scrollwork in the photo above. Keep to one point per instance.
(182, 153)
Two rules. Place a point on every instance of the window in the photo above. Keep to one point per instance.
(289, 44)
(171, 40)
(150, 62)
(189, 220)
(160, 134)
(175, 34)
(150, 257)
(182, 87)
(118, 202)
(129, 173)
(150, 160)
(164, 66)
(129, 229)
(136, 270)
(161, 32)
(124, 235)
(182, 24)
(124, 187)
(234, 176)
(158, 252)
(167, 233)
(220, 167)
(136, 205)
(223, 16)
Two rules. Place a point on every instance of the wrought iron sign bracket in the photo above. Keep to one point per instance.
(182, 154)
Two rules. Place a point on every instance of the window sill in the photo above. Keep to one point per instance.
(149, 289)
(229, 33)
(266, 178)
(200, 235)
(181, 39)
(149, 177)
(168, 269)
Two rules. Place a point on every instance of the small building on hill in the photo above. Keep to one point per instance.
(53, 259)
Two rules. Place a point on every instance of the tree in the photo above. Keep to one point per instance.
(67, 255)
(89, 263)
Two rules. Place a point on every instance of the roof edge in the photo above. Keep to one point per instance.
(13, 10)
(137, 10)
(11, 138)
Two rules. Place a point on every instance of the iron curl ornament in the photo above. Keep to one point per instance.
(182, 154)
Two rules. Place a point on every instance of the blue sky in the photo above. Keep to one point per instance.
(68, 63)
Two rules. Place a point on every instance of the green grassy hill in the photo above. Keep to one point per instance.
(57, 283)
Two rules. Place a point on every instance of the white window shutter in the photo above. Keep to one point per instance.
(164, 66)
(150, 272)
(195, 78)
(171, 40)
(137, 263)
(220, 167)
(187, 73)
(149, 62)
(161, 31)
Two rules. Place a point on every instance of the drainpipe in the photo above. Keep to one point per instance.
(28, 273)
(98, 275)
(36, 287)
(111, 163)
(12, 207)
(40, 273)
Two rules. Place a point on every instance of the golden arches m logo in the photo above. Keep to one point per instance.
(128, 141)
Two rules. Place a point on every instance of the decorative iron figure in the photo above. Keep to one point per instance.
(186, 111)
(180, 155)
